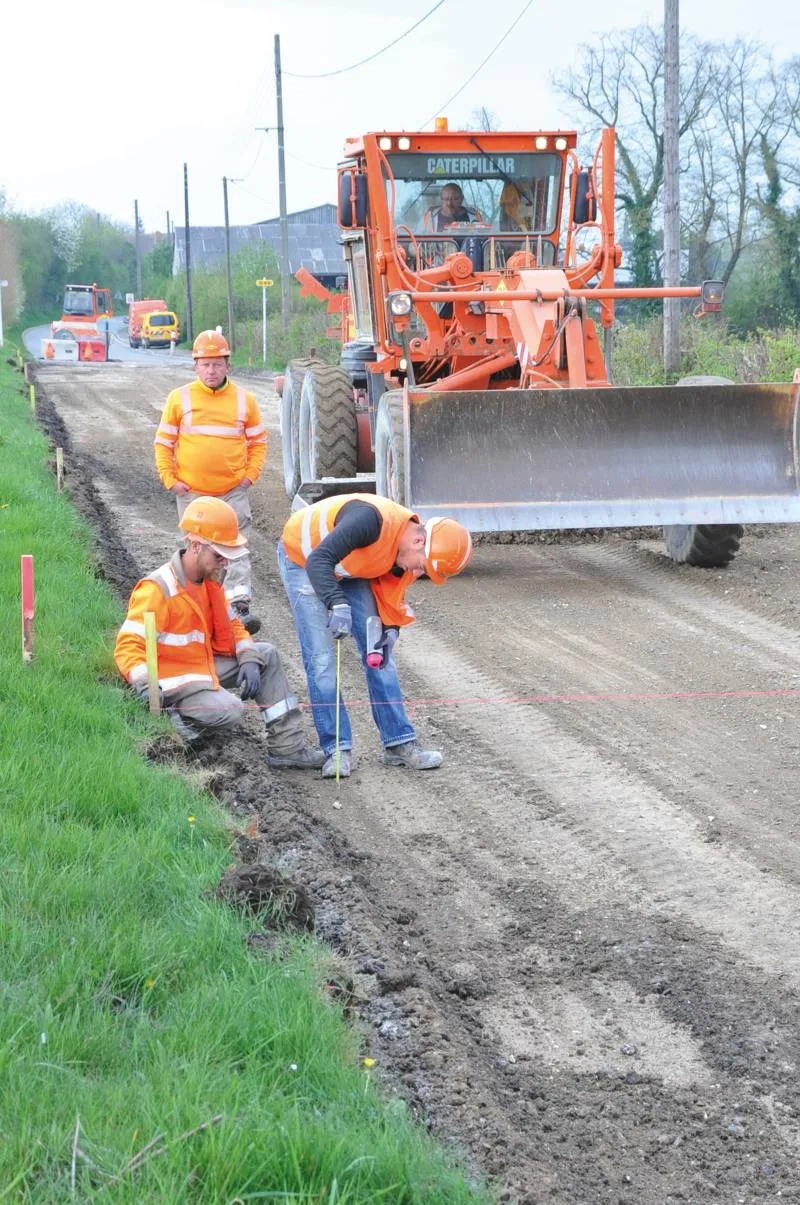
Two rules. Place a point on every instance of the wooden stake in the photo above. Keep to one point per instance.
(151, 650)
(33, 397)
(60, 469)
(26, 577)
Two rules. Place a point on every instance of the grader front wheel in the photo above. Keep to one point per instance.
(328, 437)
(705, 545)
(290, 422)
(390, 449)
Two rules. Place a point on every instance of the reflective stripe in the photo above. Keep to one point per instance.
(278, 709)
(168, 428)
(164, 577)
(241, 404)
(217, 432)
(306, 547)
(168, 443)
(138, 673)
(186, 404)
(184, 680)
(340, 571)
(136, 629)
(234, 595)
(181, 639)
(250, 432)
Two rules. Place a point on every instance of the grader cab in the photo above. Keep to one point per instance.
(481, 269)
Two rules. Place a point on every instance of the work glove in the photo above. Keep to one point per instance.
(386, 643)
(249, 679)
(340, 620)
(142, 692)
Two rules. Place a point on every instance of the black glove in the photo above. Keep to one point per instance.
(386, 643)
(142, 691)
(249, 679)
(340, 620)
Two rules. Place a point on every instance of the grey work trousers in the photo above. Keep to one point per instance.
(195, 708)
(238, 583)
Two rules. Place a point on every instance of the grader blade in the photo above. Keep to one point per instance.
(527, 460)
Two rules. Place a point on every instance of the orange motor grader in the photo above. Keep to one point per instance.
(475, 382)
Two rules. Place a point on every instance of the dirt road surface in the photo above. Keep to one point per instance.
(575, 948)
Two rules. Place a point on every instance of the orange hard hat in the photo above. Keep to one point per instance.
(210, 345)
(448, 547)
(214, 522)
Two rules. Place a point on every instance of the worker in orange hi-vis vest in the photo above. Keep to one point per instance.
(203, 651)
(211, 441)
(345, 563)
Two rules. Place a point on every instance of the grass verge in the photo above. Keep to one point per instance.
(145, 1053)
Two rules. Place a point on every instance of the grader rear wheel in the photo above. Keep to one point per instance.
(328, 437)
(290, 421)
(705, 545)
(390, 449)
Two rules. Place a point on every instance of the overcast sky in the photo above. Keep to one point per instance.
(103, 103)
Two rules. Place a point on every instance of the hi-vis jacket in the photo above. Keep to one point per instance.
(186, 647)
(308, 527)
(210, 438)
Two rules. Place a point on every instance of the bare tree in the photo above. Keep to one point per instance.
(619, 82)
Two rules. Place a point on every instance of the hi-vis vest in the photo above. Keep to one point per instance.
(307, 528)
(185, 647)
(210, 439)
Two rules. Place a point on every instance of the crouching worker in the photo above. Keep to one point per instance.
(342, 561)
(203, 647)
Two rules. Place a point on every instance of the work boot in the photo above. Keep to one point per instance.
(412, 757)
(251, 622)
(345, 764)
(306, 758)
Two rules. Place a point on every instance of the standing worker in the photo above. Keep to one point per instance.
(211, 440)
(342, 561)
(203, 648)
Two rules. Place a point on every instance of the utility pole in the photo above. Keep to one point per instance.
(672, 211)
(139, 292)
(167, 223)
(229, 286)
(189, 325)
(284, 221)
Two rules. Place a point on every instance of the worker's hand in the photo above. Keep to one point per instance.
(386, 643)
(246, 483)
(142, 691)
(340, 620)
(180, 487)
(249, 679)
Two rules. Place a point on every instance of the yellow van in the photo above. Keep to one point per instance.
(160, 328)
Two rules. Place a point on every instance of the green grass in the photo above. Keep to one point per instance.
(146, 1054)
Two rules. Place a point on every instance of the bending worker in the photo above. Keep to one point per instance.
(343, 560)
(212, 441)
(203, 647)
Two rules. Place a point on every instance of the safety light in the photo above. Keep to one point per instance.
(385, 143)
(404, 144)
(713, 292)
(541, 143)
(711, 297)
(400, 304)
(440, 123)
(403, 364)
(561, 144)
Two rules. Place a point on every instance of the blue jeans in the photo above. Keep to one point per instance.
(319, 658)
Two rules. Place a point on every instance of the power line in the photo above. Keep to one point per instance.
(352, 67)
(480, 66)
(331, 167)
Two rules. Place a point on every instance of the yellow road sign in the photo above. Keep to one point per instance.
(265, 284)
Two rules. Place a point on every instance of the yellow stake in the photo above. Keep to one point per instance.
(33, 397)
(152, 659)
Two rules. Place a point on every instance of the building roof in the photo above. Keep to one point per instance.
(314, 242)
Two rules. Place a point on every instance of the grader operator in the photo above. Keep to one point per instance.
(481, 271)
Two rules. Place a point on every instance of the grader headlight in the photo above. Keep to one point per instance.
(400, 304)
